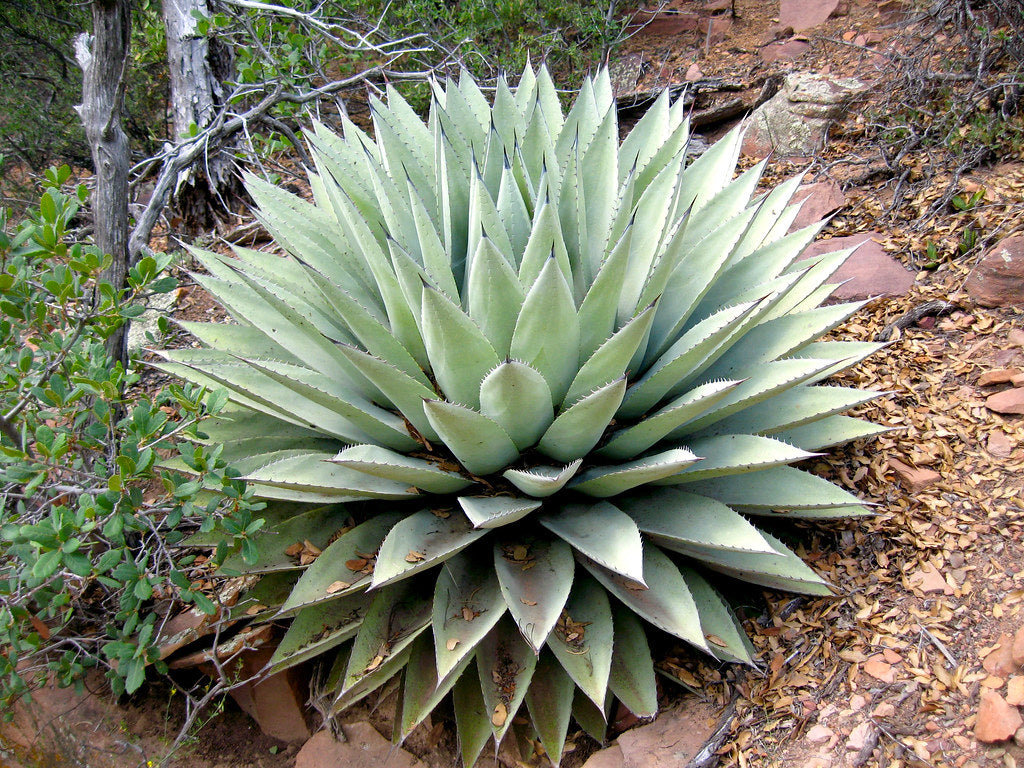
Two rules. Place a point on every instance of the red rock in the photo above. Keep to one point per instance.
(998, 280)
(1015, 691)
(1018, 380)
(885, 709)
(859, 736)
(672, 740)
(278, 702)
(868, 272)
(363, 748)
(997, 720)
(1015, 338)
(693, 73)
(914, 479)
(880, 669)
(804, 14)
(819, 200)
(716, 29)
(1008, 401)
(1017, 648)
(999, 444)
(819, 734)
(999, 661)
(665, 22)
(786, 50)
(606, 758)
(928, 579)
(998, 376)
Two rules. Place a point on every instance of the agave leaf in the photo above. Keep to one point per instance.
(496, 511)
(472, 720)
(609, 362)
(512, 210)
(712, 171)
(600, 177)
(344, 566)
(224, 336)
(782, 570)
(687, 357)
(396, 616)
(381, 462)
(578, 429)
(774, 218)
(773, 378)
(484, 220)
(467, 604)
(631, 676)
(814, 513)
(613, 480)
(369, 682)
(421, 541)
(780, 337)
(642, 435)
(265, 597)
(549, 700)
(646, 136)
(433, 257)
(549, 305)
(460, 355)
(495, 296)
(776, 488)
(480, 445)
(422, 691)
(597, 314)
(313, 472)
(591, 718)
(582, 638)
(505, 665)
(736, 454)
(535, 577)
(832, 430)
(726, 204)
(518, 398)
(548, 102)
(381, 425)
(317, 629)
(543, 481)
(545, 241)
(603, 533)
(794, 407)
(725, 637)
(666, 602)
(405, 392)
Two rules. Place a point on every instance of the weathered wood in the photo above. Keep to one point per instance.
(104, 61)
(198, 66)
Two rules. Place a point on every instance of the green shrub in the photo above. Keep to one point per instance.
(533, 384)
(89, 522)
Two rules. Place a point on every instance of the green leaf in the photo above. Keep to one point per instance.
(381, 462)
(582, 638)
(603, 533)
(505, 665)
(467, 604)
(421, 541)
(725, 637)
(496, 511)
(542, 481)
(422, 691)
(578, 429)
(549, 700)
(517, 397)
(631, 677)
(472, 720)
(736, 454)
(610, 360)
(480, 445)
(535, 577)
(319, 628)
(314, 473)
(495, 296)
(776, 488)
(613, 480)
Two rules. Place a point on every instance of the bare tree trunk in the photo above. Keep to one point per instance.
(104, 63)
(198, 66)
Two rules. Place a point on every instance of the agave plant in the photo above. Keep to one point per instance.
(519, 392)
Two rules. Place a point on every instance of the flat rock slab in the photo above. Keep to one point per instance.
(819, 200)
(363, 748)
(869, 271)
(671, 741)
(804, 14)
(998, 280)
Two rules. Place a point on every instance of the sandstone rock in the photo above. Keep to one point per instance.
(998, 280)
(1017, 648)
(664, 22)
(795, 121)
(997, 720)
(999, 661)
(928, 579)
(819, 734)
(363, 748)
(998, 376)
(606, 758)
(880, 669)
(1008, 401)
(804, 14)
(859, 736)
(1015, 691)
(785, 50)
(693, 73)
(716, 29)
(278, 702)
(671, 740)
(868, 272)
(819, 200)
(1015, 338)
(913, 478)
(999, 444)
(883, 710)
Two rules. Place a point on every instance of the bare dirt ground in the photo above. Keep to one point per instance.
(890, 671)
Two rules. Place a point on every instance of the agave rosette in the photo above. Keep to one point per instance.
(535, 387)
